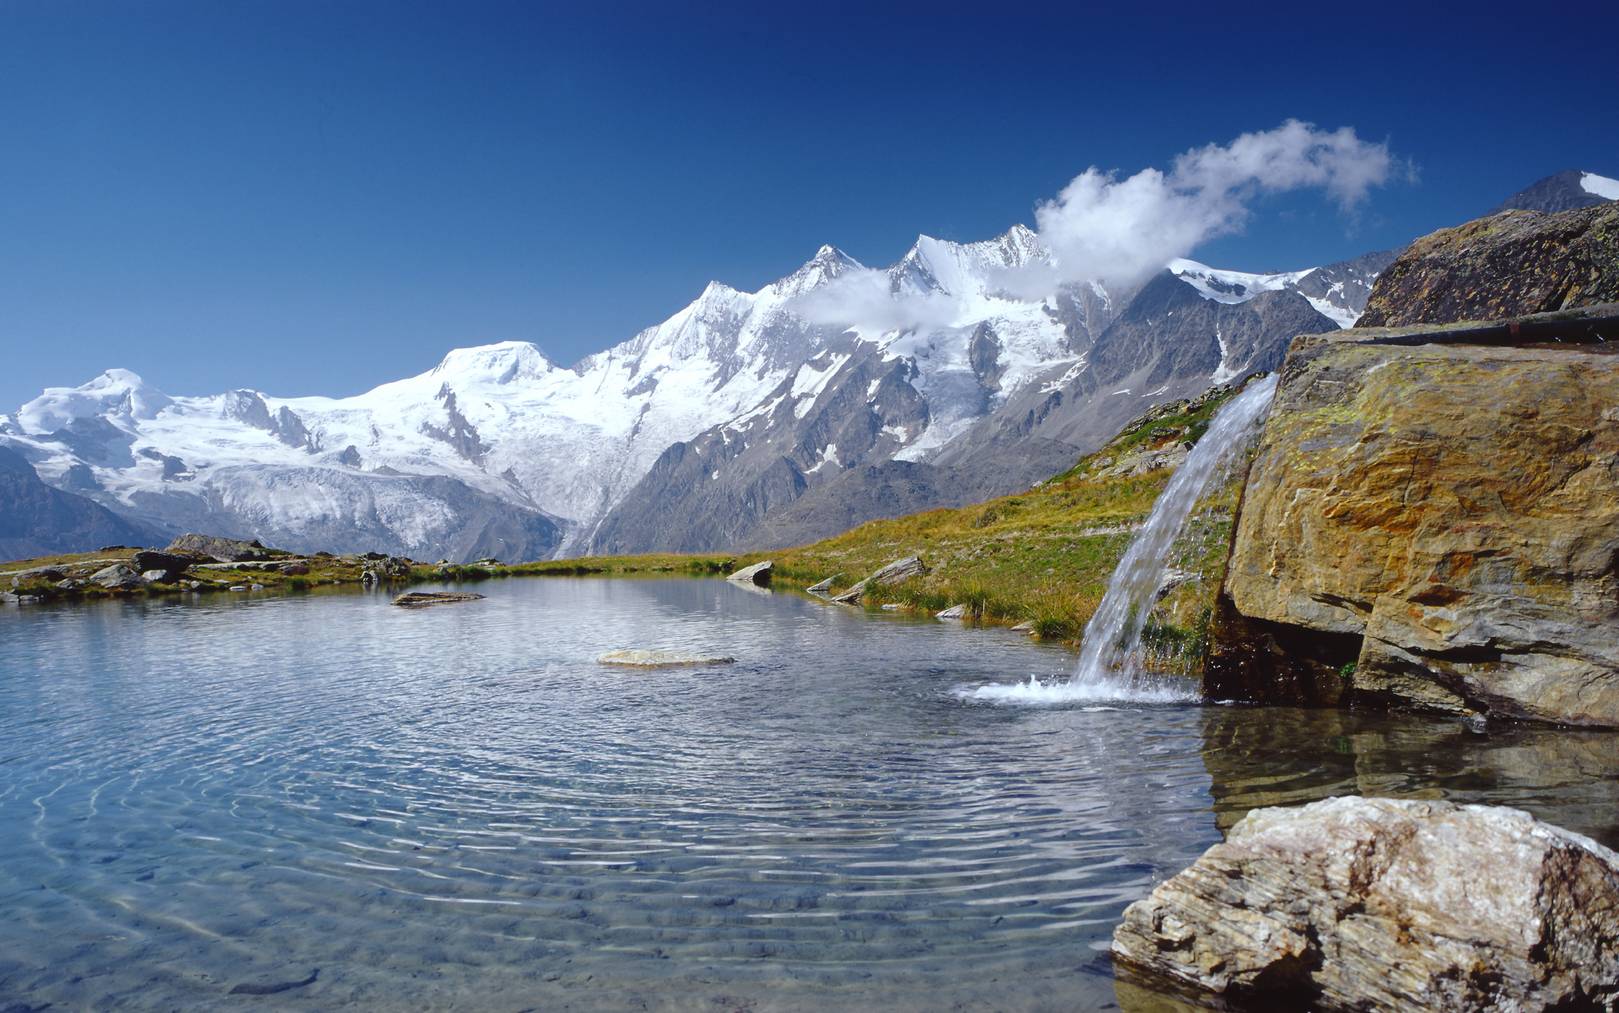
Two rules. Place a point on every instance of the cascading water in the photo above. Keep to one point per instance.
(1110, 657)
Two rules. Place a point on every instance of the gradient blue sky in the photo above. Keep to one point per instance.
(319, 197)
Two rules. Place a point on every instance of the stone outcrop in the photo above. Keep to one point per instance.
(220, 550)
(168, 562)
(1354, 903)
(892, 573)
(1431, 524)
(1508, 265)
(758, 574)
(118, 577)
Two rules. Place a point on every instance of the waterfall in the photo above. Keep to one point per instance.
(1110, 655)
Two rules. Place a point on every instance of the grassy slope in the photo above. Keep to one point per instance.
(1041, 557)
(1044, 556)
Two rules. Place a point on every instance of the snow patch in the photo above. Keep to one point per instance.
(1602, 186)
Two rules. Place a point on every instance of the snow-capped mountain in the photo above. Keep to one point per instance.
(696, 433)
(990, 395)
(1563, 191)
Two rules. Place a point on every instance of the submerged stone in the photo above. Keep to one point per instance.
(422, 599)
(633, 658)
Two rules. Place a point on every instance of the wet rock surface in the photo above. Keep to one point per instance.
(1354, 903)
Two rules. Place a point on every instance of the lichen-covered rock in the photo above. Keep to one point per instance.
(1507, 265)
(1355, 903)
(1435, 525)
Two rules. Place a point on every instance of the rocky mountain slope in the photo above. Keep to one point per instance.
(860, 393)
(1002, 395)
(37, 520)
(1564, 191)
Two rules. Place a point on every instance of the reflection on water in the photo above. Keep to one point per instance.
(342, 803)
(1266, 757)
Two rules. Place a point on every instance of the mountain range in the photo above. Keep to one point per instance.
(746, 420)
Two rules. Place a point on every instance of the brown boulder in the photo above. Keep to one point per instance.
(1432, 524)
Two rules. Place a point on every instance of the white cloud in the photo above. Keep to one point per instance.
(1116, 230)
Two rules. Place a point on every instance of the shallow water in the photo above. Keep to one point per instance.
(457, 808)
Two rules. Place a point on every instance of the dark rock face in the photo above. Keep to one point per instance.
(169, 562)
(1509, 265)
(1560, 192)
(38, 520)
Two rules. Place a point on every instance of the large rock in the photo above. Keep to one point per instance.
(1431, 524)
(1356, 903)
(118, 577)
(892, 573)
(1508, 265)
(758, 574)
(169, 562)
(221, 550)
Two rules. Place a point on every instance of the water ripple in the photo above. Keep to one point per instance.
(458, 808)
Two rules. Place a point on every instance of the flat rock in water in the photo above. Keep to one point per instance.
(662, 659)
(422, 599)
(757, 574)
(953, 612)
(1358, 903)
(820, 588)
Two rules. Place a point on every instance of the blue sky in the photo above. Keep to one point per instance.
(319, 197)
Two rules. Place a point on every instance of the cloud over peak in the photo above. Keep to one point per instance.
(1119, 231)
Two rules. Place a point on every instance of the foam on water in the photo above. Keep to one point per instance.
(1060, 691)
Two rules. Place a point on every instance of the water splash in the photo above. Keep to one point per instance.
(1110, 656)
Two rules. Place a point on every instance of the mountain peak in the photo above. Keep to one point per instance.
(118, 392)
(829, 262)
(1563, 191)
(501, 362)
